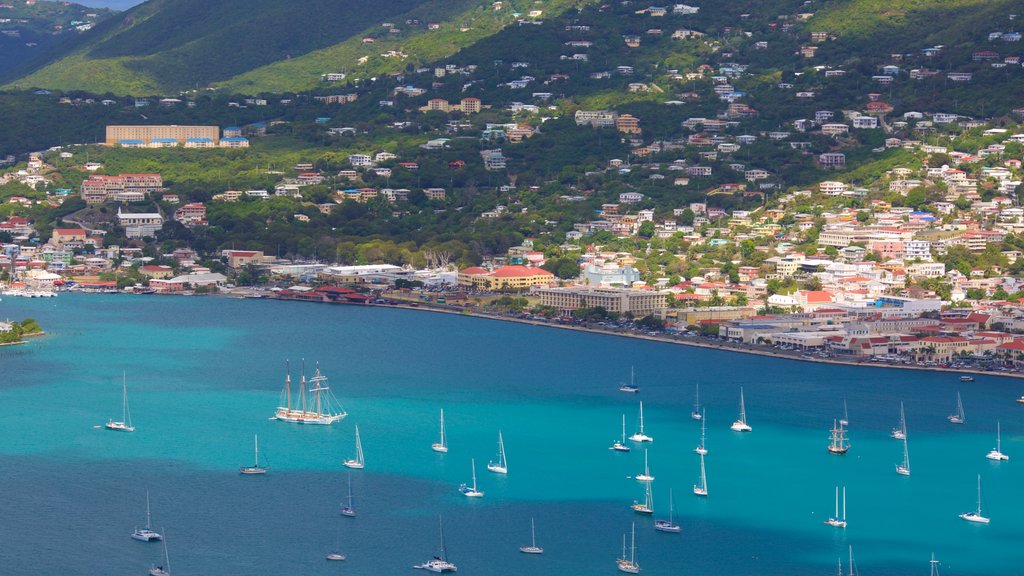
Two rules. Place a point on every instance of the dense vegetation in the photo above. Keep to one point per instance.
(27, 327)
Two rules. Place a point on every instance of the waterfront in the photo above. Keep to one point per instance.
(204, 374)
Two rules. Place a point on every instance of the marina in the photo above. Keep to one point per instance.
(186, 374)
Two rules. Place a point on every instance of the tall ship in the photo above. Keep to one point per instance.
(838, 444)
(314, 403)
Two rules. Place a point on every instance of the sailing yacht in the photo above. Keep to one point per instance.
(741, 424)
(702, 449)
(357, 463)
(904, 468)
(838, 521)
(996, 453)
(976, 516)
(162, 569)
(532, 548)
(439, 564)
(348, 509)
(620, 445)
(838, 444)
(336, 555)
(648, 505)
(853, 566)
(900, 433)
(501, 466)
(697, 413)
(958, 417)
(702, 488)
(629, 566)
(471, 491)
(640, 436)
(668, 525)
(255, 468)
(646, 476)
(631, 387)
(125, 424)
(146, 534)
(442, 445)
(935, 565)
(314, 404)
(845, 421)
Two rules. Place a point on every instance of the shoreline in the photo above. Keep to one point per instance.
(721, 346)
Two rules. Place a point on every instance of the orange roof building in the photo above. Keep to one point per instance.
(505, 278)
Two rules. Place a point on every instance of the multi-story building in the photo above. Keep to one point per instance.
(146, 134)
(620, 301)
(99, 188)
(505, 278)
(139, 225)
(191, 214)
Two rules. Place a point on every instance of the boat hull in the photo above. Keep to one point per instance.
(300, 417)
(641, 438)
(666, 526)
(740, 426)
(974, 517)
(252, 471)
(334, 557)
(119, 427)
(437, 567)
(531, 549)
(619, 447)
(146, 536)
(439, 448)
(903, 471)
(641, 509)
(997, 456)
(497, 469)
(699, 491)
(353, 464)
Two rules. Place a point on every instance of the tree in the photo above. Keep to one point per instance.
(646, 230)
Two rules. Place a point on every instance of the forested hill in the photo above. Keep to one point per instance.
(32, 31)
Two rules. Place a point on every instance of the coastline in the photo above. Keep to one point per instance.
(721, 346)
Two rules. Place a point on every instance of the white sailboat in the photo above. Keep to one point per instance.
(314, 404)
(146, 534)
(838, 521)
(336, 555)
(501, 466)
(125, 424)
(629, 566)
(702, 488)
(439, 564)
(853, 565)
(697, 413)
(996, 453)
(620, 445)
(471, 491)
(640, 436)
(702, 448)
(255, 468)
(348, 509)
(935, 565)
(958, 417)
(647, 507)
(668, 525)
(900, 432)
(357, 463)
(646, 475)
(903, 469)
(532, 548)
(442, 445)
(976, 516)
(631, 387)
(162, 569)
(741, 424)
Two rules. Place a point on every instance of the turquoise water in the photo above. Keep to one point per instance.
(205, 374)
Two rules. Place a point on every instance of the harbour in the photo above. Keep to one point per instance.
(200, 393)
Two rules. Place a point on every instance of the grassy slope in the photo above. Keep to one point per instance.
(421, 45)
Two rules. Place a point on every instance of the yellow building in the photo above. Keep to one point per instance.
(505, 278)
(618, 300)
(146, 134)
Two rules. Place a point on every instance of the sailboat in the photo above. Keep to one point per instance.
(621, 446)
(336, 555)
(125, 425)
(442, 445)
(532, 548)
(837, 520)
(702, 488)
(996, 453)
(165, 568)
(629, 566)
(853, 566)
(471, 491)
(255, 468)
(904, 468)
(646, 476)
(668, 525)
(958, 417)
(702, 449)
(348, 509)
(900, 433)
(640, 436)
(358, 463)
(741, 424)
(838, 444)
(439, 564)
(314, 404)
(976, 516)
(935, 565)
(631, 387)
(648, 505)
(501, 466)
(146, 534)
(697, 413)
